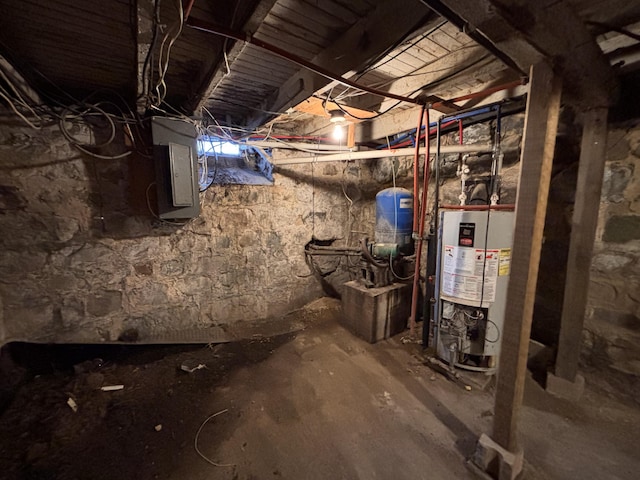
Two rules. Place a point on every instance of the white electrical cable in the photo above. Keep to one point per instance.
(13, 107)
(90, 110)
(164, 66)
(410, 277)
(18, 97)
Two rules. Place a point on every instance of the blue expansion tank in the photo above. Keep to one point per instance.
(394, 218)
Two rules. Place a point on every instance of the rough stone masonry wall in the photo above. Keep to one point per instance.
(82, 260)
(480, 166)
(612, 327)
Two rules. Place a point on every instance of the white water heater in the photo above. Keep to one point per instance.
(472, 276)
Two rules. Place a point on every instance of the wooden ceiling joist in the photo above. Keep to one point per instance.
(214, 78)
(361, 44)
(529, 32)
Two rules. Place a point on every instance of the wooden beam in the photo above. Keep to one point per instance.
(364, 42)
(351, 135)
(144, 36)
(320, 108)
(390, 124)
(538, 144)
(403, 120)
(433, 79)
(528, 32)
(583, 232)
(215, 77)
(387, 125)
(488, 72)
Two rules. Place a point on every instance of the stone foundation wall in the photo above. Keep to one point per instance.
(612, 327)
(83, 260)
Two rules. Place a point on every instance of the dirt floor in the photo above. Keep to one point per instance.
(316, 403)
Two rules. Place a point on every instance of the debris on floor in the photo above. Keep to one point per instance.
(189, 369)
(195, 442)
(72, 404)
(112, 388)
(315, 404)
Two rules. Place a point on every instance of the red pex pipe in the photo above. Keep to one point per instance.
(419, 240)
(187, 9)
(487, 91)
(416, 174)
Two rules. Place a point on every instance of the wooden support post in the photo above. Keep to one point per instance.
(538, 145)
(351, 135)
(583, 232)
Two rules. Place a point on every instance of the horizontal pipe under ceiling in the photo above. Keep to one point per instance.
(370, 154)
(321, 147)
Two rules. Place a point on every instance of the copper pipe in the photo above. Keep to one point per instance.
(245, 37)
(416, 169)
(482, 93)
(506, 206)
(187, 10)
(419, 239)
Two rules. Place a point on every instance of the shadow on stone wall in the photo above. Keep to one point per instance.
(557, 231)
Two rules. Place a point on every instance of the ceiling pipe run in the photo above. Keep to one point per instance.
(320, 147)
(245, 37)
(484, 93)
(400, 152)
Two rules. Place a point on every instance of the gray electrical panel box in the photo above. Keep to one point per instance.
(176, 163)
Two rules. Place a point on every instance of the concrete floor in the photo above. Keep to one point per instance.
(303, 399)
(327, 405)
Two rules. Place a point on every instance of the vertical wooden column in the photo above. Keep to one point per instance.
(351, 135)
(583, 232)
(541, 123)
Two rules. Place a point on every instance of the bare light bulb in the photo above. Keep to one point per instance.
(338, 132)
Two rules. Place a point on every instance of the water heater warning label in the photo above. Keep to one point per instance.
(504, 263)
(463, 273)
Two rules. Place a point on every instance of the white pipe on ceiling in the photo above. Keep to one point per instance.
(297, 145)
(369, 154)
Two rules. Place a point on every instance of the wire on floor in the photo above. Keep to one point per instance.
(195, 442)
